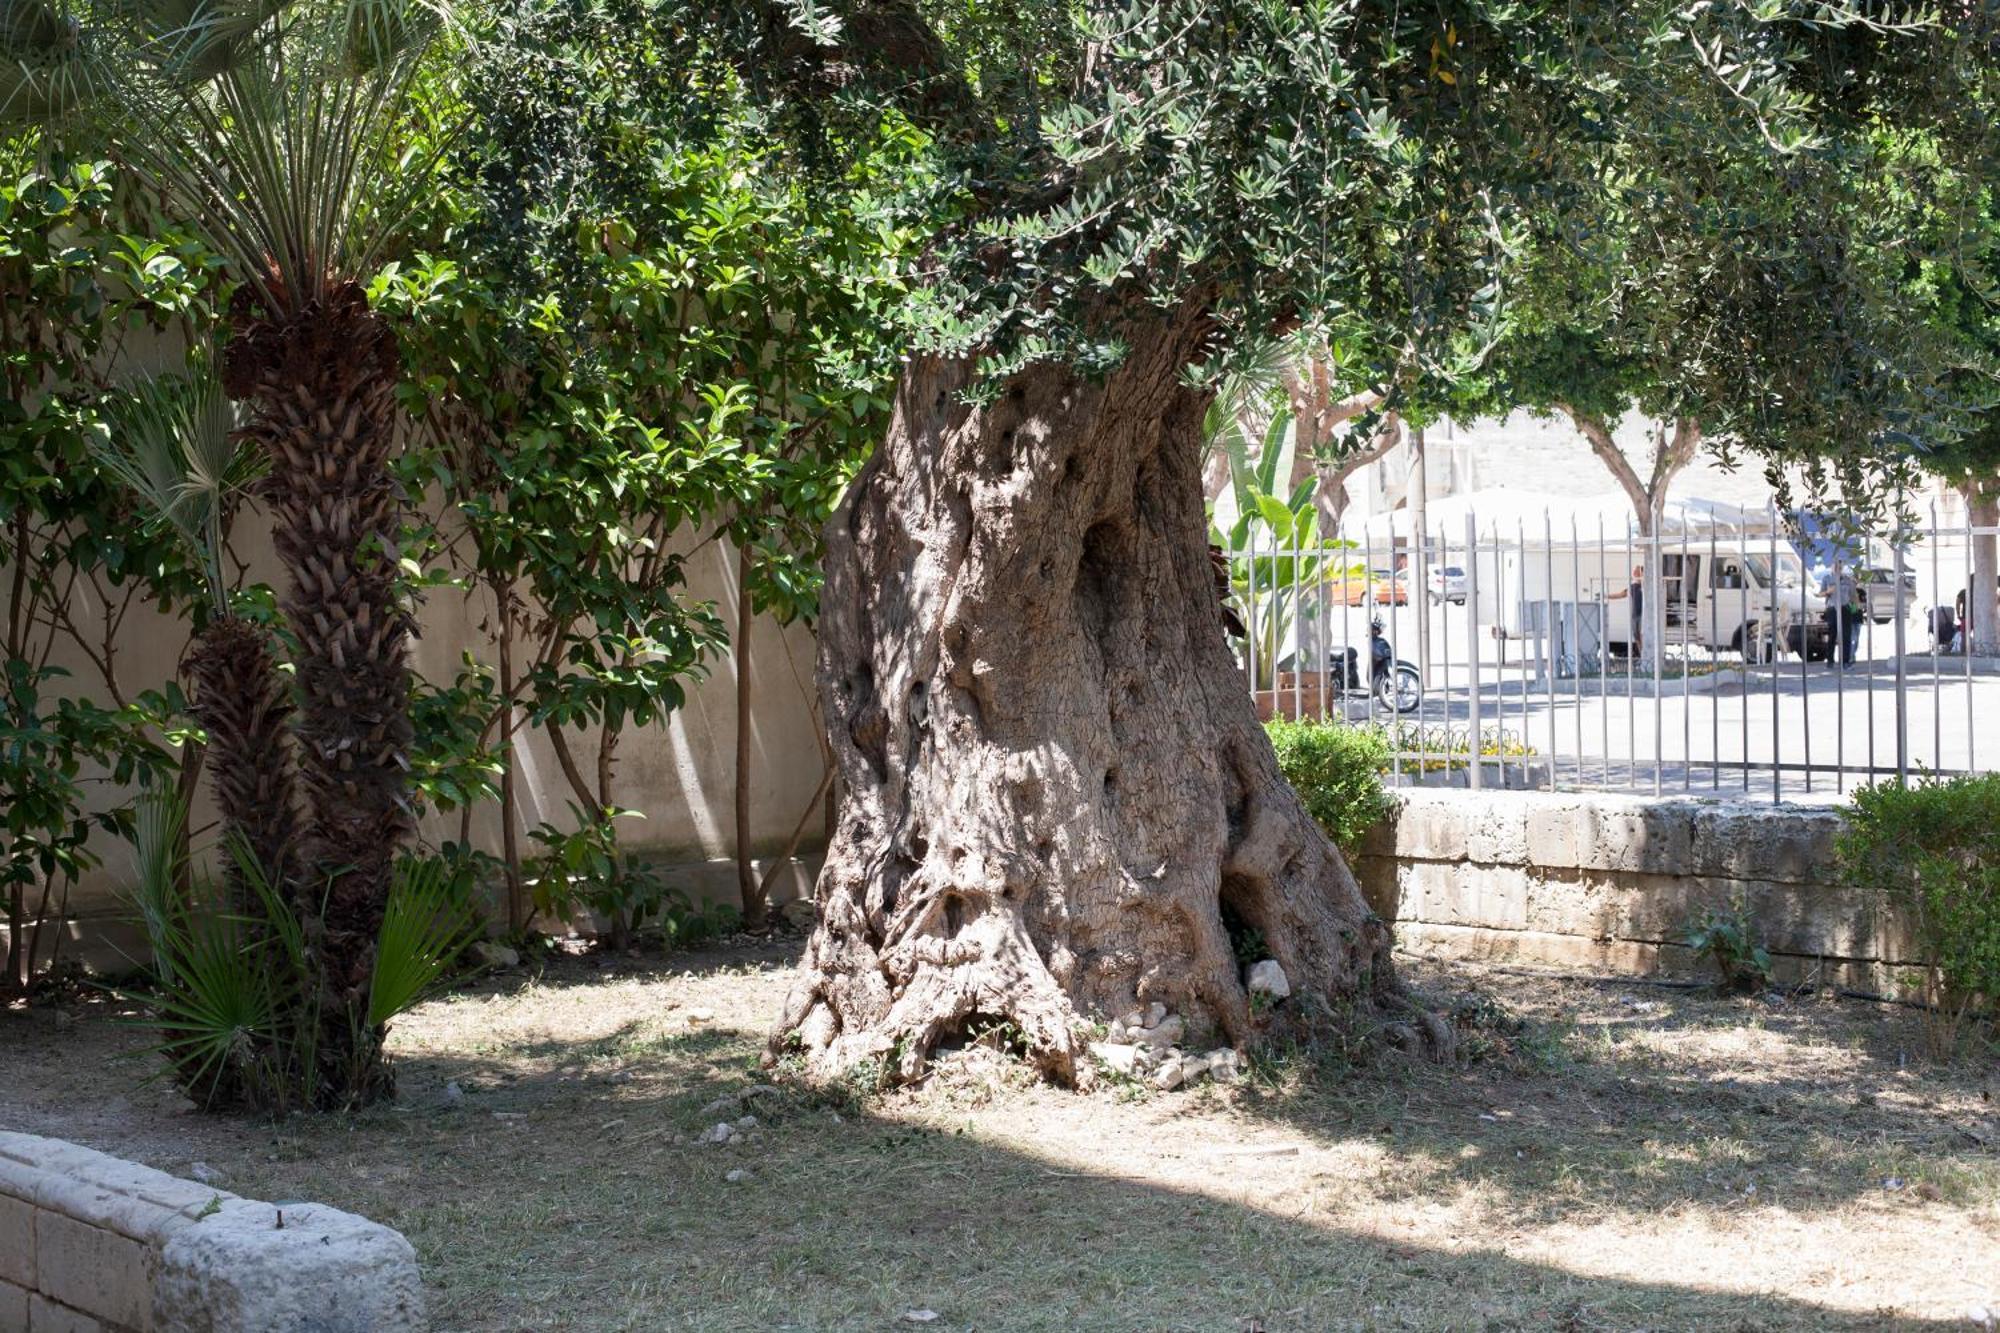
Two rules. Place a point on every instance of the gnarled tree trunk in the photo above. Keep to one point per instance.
(1057, 801)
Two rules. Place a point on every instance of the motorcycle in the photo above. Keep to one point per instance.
(1393, 683)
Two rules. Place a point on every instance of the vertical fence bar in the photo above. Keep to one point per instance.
(1837, 653)
(1655, 634)
(1805, 680)
(1520, 586)
(1635, 636)
(1937, 669)
(1868, 645)
(1971, 588)
(1903, 661)
(1552, 646)
(1776, 641)
(1445, 657)
(1687, 684)
(1474, 777)
(1714, 672)
(1576, 634)
(1604, 646)
(1250, 617)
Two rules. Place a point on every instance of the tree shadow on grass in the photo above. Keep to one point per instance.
(542, 1201)
(1628, 1110)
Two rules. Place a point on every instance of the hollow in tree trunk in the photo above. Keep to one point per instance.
(320, 380)
(1057, 801)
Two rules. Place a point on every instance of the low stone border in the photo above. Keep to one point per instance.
(93, 1244)
(1607, 883)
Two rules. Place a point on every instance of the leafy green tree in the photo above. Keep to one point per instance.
(1055, 794)
(75, 285)
(679, 342)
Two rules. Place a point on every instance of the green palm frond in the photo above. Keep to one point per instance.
(270, 126)
(284, 159)
(170, 440)
(424, 929)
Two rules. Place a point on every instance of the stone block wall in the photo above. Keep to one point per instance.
(93, 1244)
(1608, 883)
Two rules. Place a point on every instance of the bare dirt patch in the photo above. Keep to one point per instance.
(1632, 1158)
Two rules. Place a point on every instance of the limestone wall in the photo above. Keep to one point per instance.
(1607, 883)
(93, 1244)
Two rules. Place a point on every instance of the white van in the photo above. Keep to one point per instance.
(1724, 595)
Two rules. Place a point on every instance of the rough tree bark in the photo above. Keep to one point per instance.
(244, 704)
(320, 381)
(1057, 801)
(1318, 414)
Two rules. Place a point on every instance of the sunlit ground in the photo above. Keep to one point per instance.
(1632, 1158)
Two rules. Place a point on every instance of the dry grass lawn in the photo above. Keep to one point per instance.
(1633, 1158)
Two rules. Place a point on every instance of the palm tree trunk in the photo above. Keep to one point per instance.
(244, 705)
(320, 381)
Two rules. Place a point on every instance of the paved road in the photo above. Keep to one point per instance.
(1799, 732)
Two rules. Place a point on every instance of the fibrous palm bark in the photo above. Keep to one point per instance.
(245, 706)
(320, 381)
(1058, 803)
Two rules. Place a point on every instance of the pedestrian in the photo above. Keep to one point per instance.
(1944, 630)
(1636, 594)
(1843, 616)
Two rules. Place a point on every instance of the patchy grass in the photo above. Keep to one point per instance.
(1631, 1158)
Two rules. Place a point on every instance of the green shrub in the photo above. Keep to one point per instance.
(237, 1005)
(1935, 849)
(1728, 939)
(1337, 770)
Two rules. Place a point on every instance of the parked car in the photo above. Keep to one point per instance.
(1878, 593)
(1390, 587)
(1448, 584)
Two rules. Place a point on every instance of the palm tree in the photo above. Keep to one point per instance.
(172, 440)
(274, 132)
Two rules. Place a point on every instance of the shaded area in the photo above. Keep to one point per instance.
(560, 1186)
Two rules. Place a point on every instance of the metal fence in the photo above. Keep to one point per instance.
(1511, 654)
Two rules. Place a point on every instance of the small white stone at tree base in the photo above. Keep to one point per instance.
(1155, 1014)
(1117, 1055)
(1269, 979)
(1170, 1074)
(919, 1316)
(1224, 1065)
(494, 954)
(1165, 1033)
(719, 1133)
(1193, 1067)
(1135, 1019)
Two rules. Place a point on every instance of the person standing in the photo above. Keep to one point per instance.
(1636, 594)
(1843, 616)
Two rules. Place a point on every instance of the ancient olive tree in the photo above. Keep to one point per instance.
(1057, 803)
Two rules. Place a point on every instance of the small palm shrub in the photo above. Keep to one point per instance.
(236, 999)
(1934, 848)
(1337, 771)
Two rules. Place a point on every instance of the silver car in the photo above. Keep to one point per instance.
(1448, 584)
